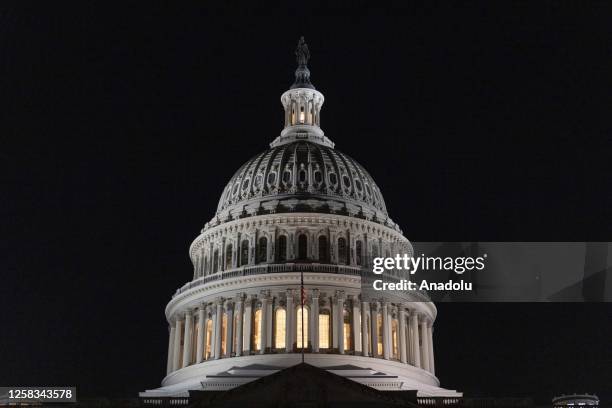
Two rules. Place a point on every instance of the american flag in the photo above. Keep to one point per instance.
(302, 289)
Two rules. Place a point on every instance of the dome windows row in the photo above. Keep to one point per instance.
(231, 258)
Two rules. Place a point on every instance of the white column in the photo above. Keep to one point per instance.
(213, 334)
(270, 325)
(170, 350)
(340, 327)
(385, 316)
(289, 322)
(356, 325)
(218, 326)
(364, 329)
(374, 328)
(176, 363)
(239, 325)
(247, 329)
(187, 338)
(414, 334)
(402, 334)
(424, 345)
(264, 324)
(432, 367)
(315, 320)
(229, 337)
(201, 334)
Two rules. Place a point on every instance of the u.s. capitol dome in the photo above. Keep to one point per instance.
(300, 213)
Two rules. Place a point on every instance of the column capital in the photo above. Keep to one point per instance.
(219, 301)
(340, 295)
(423, 318)
(188, 312)
(315, 293)
(240, 297)
(229, 305)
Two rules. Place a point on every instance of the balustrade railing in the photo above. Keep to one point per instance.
(272, 268)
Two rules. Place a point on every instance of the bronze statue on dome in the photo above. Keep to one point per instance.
(301, 52)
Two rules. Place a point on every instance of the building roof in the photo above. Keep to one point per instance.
(303, 385)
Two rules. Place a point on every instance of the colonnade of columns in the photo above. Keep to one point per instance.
(341, 324)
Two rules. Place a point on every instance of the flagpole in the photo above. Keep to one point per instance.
(302, 301)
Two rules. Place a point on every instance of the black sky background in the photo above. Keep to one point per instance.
(120, 127)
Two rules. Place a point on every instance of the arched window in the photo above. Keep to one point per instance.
(302, 176)
(379, 322)
(216, 261)
(323, 249)
(224, 334)
(301, 327)
(359, 253)
(348, 344)
(209, 334)
(244, 253)
(262, 250)
(302, 247)
(228, 257)
(280, 321)
(342, 250)
(394, 339)
(256, 338)
(282, 248)
(324, 330)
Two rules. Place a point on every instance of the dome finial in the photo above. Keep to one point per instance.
(301, 52)
(302, 74)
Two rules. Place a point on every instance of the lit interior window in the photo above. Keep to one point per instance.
(380, 335)
(347, 331)
(224, 334)
(324, 330)
(257, 330)
(279, 335)
(209, 333)
(299, 327)
(394, 346)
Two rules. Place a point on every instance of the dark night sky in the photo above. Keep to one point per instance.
(121, 126)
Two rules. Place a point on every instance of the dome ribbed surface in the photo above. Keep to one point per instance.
(302, 169)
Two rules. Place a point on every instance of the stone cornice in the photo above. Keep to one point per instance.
(252, 285)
